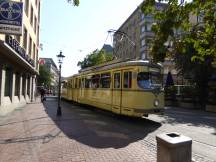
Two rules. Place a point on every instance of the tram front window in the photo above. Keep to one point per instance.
(147, 80)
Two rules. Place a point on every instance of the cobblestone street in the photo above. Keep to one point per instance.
(34, 133)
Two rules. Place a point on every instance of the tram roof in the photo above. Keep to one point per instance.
(118, 64)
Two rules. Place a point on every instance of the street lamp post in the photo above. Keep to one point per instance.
(60, 57)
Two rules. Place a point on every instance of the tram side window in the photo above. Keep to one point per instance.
(105, 80)
(64, 85)
(87, 83)
(79, 86)
(83, 83)
(76, 83)
(127, 79)
(117, 80)
(72, 83)
(68, 85)
(96, 81)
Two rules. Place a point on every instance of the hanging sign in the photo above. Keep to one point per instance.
(11, 17)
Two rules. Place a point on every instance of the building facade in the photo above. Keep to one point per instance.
(19, 60)
(126, 39)
(51, 66)
(133, 39)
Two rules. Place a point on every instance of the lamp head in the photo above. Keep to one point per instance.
(60, 57)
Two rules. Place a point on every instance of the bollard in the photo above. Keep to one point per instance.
(173, 147)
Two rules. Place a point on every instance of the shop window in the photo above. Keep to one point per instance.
(17, 84)
(28, 85)
(127, 79)
(105, 80)
(8, 82)
(23, 85)
(117, 81)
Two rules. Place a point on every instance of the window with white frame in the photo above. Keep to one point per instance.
(143, 56)
(26, 6)
(30, 46)
(148, 26)
(142, 29)
(142, 42)
(31, 15)
(25, 36)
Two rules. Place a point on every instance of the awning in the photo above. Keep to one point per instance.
(11, 54)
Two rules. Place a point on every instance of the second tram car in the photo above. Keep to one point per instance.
(132, 88)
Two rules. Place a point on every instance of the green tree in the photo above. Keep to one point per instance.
(74, 2)
(45, 77)
(95, 58)
(194, 48)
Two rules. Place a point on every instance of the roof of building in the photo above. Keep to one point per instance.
(49, 61)
(107, 47)
(158, 5)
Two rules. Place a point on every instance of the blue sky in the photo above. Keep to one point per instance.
(79, 30)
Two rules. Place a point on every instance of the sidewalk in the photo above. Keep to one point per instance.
(35, 134)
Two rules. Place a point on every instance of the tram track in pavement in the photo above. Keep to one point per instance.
(202, 151)
(159, 129)
(149, 140)
(194, 140)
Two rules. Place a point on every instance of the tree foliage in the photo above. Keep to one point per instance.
(193, 46)
(95, 58)
(177, 17)
(45, 77)
(74, 2)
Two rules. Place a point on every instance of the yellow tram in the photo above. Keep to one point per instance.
(130, 88)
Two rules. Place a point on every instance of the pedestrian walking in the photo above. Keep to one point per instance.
(42, 92)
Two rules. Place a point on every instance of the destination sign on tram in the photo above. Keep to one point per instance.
(11, 17)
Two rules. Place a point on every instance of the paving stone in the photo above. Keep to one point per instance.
(34, 134)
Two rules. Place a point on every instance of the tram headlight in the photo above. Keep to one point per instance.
(156, 103)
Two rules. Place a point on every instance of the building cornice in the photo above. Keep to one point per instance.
(13, 55)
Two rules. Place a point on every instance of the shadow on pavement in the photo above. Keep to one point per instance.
(97, 128)
(190, 117)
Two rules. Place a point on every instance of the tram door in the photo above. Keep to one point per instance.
(117, 92)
